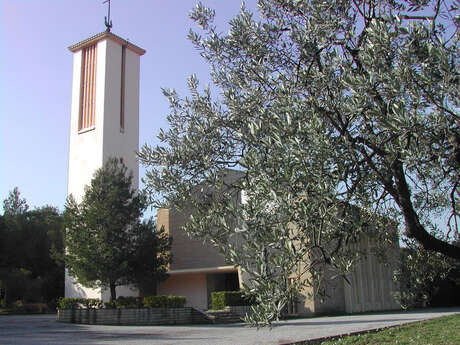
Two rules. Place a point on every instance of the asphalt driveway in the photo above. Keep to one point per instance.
(43, 329)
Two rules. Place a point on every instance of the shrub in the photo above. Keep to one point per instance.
(75, 303)
(92, 303)
(110, 305)
(176, 301)
(123, 302)
(69, 303)
(164, 301)
(222, 299)
(128, 302)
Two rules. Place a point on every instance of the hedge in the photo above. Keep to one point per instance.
(128, 302)
(164, 301)
(222, 299)
(123, 302)
(75, 303)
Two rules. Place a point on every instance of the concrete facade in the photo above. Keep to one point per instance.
(115, 128)
(197, 268)
(368, 288)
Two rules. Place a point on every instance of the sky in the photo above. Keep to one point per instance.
(36, 77)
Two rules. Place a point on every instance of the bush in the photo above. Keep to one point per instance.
(164, 301)
(128, 302)
(92, 303)
(222, 299)
(75, 303)
(123, 302)
(110, 305)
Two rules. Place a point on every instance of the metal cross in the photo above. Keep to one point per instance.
(107, 21)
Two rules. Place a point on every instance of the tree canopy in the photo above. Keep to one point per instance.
(325, 107)
(104, 233)
(148, 265)
(29, 242)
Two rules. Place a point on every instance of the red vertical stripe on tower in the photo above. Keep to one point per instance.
(88, 92)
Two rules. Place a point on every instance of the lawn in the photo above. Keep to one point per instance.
(444, 330)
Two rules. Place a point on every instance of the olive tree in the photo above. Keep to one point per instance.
(325, 107)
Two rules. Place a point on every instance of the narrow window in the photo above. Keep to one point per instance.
(122, 89)
(88, 88)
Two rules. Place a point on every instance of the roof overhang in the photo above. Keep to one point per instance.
(218, 269)
(106, 35)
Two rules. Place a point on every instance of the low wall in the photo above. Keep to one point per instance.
(240, 310)
(144, 316)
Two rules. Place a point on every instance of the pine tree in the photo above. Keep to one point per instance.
(103, 231)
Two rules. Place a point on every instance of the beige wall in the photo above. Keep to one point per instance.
(334, 301)
(88, 149)
(187, 253)
(117, 142)
(372, 285)
(192, 286)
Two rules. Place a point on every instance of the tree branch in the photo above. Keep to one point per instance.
(414, 229)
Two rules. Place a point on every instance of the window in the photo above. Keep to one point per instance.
(88, 88)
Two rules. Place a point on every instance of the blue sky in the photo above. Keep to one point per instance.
(36, 76)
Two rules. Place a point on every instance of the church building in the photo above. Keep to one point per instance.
(198, 269)
(104, 118)
(105, 123)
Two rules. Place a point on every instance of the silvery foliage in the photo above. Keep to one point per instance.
(422, 274)
(341, 116)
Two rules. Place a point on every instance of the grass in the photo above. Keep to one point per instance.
(444, 330)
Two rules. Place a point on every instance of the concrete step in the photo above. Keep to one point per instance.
(224, 316)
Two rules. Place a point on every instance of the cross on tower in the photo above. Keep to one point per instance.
(107, 21)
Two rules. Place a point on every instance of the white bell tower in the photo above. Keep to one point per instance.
(104, 117)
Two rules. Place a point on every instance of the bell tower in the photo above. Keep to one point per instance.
(104, 116)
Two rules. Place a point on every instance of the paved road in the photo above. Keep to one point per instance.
(43, 329)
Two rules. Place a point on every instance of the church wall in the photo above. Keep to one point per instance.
(131, 113)
(190, 253)
(304, 301)
(120, 142)
(76, 290)
(372, 285)
(85, 149)
(91, 146)
(334, 302)
(193, 286)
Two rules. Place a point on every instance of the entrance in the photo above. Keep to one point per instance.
(221, 282)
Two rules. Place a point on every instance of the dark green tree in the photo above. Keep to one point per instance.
(104, 231)
(323, 106)
(152, 256)
(28, 269)
(46, 232)
(13, 205)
